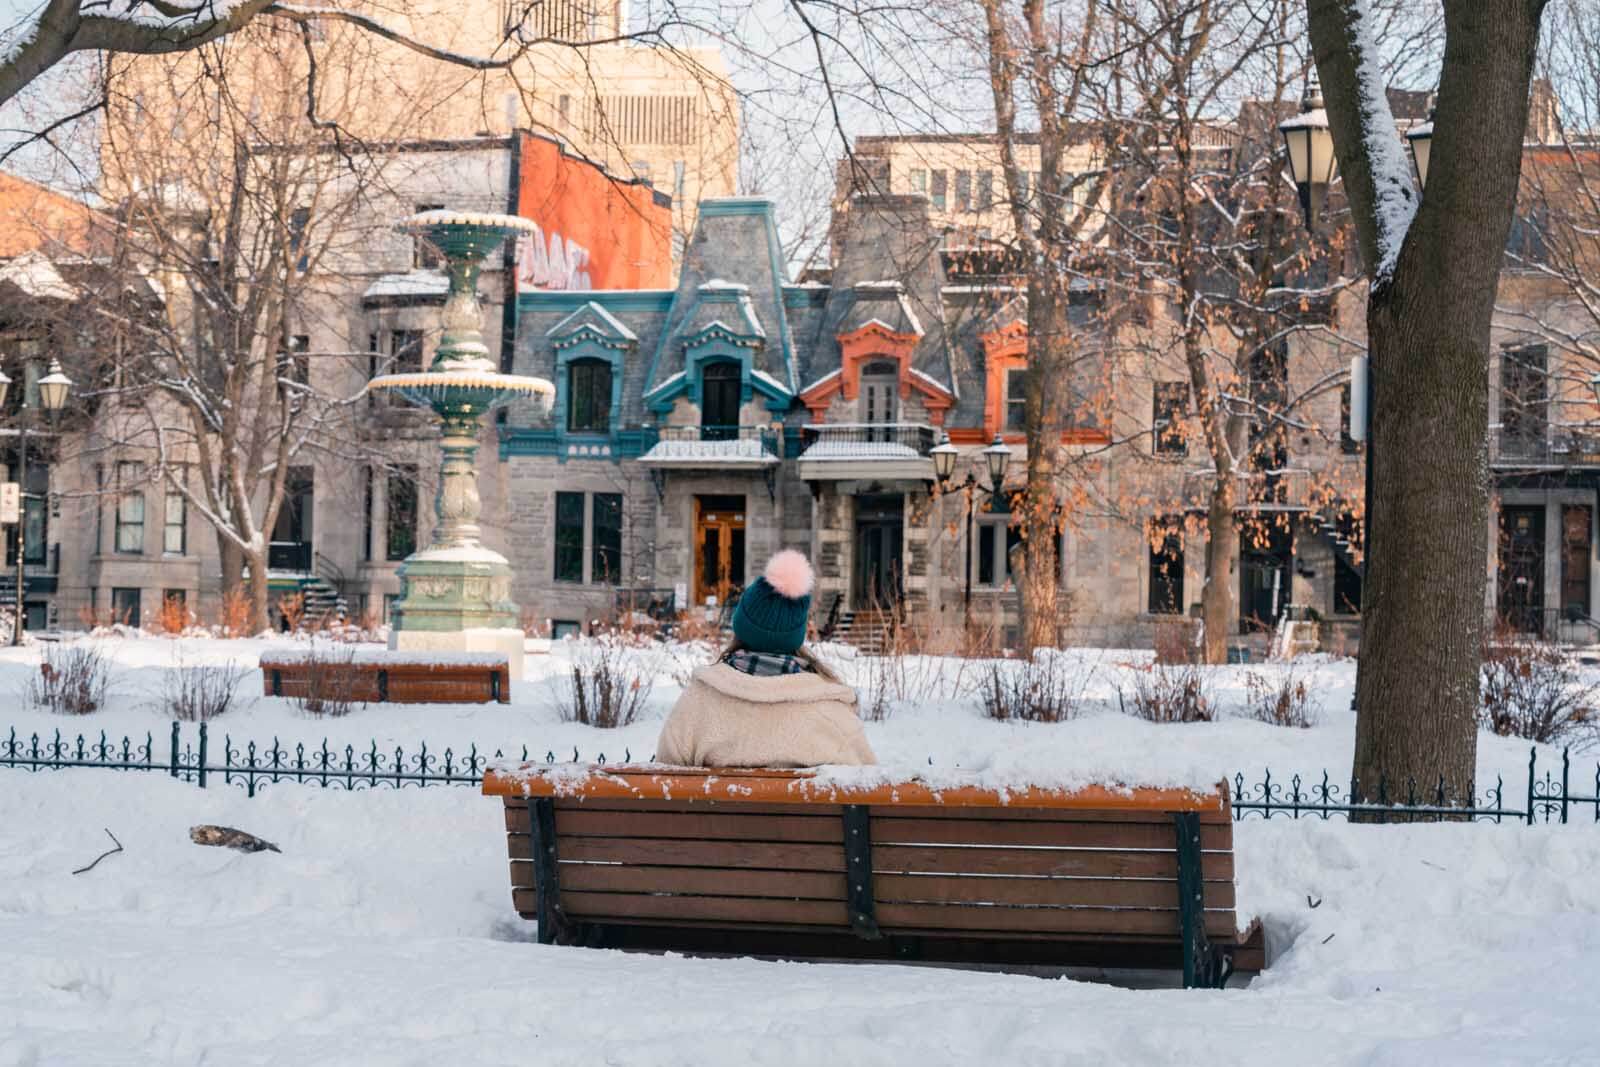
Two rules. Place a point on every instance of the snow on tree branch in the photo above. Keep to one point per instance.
(1395, 198)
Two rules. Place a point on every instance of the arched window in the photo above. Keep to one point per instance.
(588, 396)
(720, 389)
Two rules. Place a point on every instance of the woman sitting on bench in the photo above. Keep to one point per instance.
(767, 701)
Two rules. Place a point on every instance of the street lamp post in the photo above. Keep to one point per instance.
(53, 388)
(1312, 162)
(1421, 138)
(998, 457)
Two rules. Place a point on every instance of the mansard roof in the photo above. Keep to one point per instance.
(730, 281)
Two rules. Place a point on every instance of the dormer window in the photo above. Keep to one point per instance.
(880, 381)
(588, 396)
(720, 387)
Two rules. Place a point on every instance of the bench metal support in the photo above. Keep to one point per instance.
(1204, 964)
(858, 872)
(542, 822)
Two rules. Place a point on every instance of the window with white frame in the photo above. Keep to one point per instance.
(130, 509)
(175, 530)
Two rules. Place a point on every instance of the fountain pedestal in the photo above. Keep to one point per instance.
(455, 595)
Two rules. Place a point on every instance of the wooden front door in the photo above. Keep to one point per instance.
(718, 548)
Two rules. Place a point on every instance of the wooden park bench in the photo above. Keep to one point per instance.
(379, 677)
(787, 864)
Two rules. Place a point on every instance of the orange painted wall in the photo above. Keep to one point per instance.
(596, 231)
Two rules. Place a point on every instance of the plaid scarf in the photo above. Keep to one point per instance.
(764, 664)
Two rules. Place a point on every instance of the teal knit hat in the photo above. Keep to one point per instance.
(772, 611)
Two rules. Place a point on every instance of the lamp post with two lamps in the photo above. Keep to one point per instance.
(998, 457)
(53, 390)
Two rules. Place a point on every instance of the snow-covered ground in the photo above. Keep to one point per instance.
(934, 723)
(384, 932)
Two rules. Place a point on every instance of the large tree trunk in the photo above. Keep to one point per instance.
(232, 560)
(1222, 554)
(1428, 322)
(1047, 377)
(260, 616)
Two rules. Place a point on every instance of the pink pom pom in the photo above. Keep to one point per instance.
(789, 574)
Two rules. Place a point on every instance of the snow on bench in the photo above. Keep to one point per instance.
(380, 676)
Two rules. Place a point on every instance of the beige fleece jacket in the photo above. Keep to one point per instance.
(726, 718)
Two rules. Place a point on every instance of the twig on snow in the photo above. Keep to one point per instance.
(103, 855)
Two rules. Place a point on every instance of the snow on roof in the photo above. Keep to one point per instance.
(770, 380)
(931, 380)
(860, 450)
(421, 283)
(719, 285)
(37, 276)
(612, 323)
(740, 452)
(665, 382)
(885, 283)
(826, 377)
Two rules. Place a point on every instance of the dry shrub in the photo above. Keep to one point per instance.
(200, 692)
(174, 618)
(1045, 688)
(1175, 641)
(365, 630)
(1285, 702)
(292, 606)
(234, 613)
(104, 619)
(1168, 692)
(607, 685)
(1536, 692)
(330, 681)
(692, 627)
(71, 680)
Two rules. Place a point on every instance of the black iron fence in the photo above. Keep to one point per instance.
(1548, 797)
(190, 755)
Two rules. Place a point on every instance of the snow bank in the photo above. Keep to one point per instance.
(384, 934)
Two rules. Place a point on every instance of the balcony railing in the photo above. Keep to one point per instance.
(861, 440)
(881, 451)
(1555, 445)
(289, 556)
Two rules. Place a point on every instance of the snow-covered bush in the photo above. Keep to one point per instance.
(1284, 702)
(71, 680)
(1046, 688)
(1536, 692)
(1165, 693)
(199, 692)
(608, 684)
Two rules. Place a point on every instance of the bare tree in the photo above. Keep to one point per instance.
(249, 223)
(1434, 263)
(1205, 225)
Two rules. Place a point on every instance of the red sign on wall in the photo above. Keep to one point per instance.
(596, 231)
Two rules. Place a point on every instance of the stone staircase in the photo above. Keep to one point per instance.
(1339, 535)
(323, 604)
(868, 631)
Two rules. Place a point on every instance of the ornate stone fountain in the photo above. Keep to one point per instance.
(455, 595)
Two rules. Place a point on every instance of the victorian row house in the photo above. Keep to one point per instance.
(699, 426)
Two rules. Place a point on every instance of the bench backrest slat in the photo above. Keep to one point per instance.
(947, 871)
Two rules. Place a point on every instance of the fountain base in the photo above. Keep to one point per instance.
(457, 600)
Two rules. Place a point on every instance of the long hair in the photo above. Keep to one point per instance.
(803, 654)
